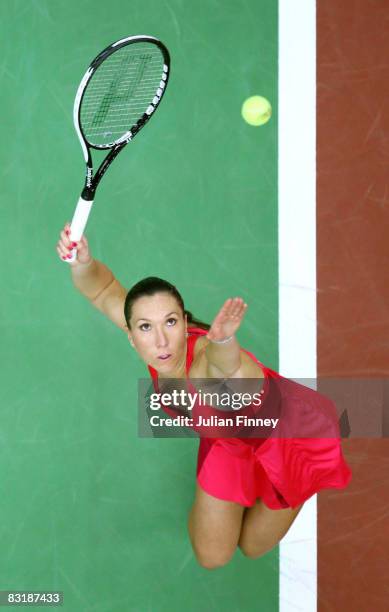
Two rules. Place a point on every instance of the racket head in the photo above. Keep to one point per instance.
(120, 91)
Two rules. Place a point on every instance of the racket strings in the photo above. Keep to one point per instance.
(120, 91)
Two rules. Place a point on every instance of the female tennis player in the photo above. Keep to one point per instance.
(248, 491)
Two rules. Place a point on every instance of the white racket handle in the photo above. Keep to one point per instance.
(78, 224)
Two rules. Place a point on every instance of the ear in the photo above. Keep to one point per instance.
(186, 323)
(130, 339)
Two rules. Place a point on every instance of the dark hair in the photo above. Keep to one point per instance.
(150, 286)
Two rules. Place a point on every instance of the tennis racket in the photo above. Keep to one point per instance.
(118, 94)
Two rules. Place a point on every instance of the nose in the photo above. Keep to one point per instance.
(161, 339)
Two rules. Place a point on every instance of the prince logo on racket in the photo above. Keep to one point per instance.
(127, 86)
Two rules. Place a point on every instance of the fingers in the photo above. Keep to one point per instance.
(234, 307)
(65, 245)
(232, 311)
(83, 242)
(228, 319)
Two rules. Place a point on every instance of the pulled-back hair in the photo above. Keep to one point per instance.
(150, 286)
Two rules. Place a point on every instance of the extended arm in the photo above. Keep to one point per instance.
(223, 351)
(95, 280)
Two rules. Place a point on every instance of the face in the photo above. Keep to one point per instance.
(158, 333)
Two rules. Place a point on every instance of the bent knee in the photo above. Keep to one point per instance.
(212, 561)
(212, 557)
(253, 551)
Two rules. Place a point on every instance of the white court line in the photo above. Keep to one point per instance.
(297, 263)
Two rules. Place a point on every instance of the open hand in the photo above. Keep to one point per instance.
(228, 319)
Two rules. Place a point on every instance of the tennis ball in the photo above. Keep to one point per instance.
(256, 110)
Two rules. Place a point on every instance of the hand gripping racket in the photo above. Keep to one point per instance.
(118, 94)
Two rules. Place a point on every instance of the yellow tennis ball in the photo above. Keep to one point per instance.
(256, 110)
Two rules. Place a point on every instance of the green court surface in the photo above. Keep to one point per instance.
(88, 507)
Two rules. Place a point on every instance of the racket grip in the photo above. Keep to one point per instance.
(78, 223)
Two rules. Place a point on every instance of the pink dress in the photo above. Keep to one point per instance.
(283, 472)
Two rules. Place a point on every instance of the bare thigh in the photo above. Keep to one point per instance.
(263, 528)
(214, 528)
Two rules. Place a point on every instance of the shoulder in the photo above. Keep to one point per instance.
(200, 345)
(199, 339)
(197, 359)
(249, 365)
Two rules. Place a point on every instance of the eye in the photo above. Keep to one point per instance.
(172, 321)
(143, 326)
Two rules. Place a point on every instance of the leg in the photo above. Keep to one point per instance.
(214, 526)
(263, 528)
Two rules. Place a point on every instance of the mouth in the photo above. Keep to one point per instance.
(164, 357)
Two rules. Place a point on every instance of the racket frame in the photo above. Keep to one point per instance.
(92, 178)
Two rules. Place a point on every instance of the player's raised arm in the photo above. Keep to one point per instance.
(223, 351)
(94, 279)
